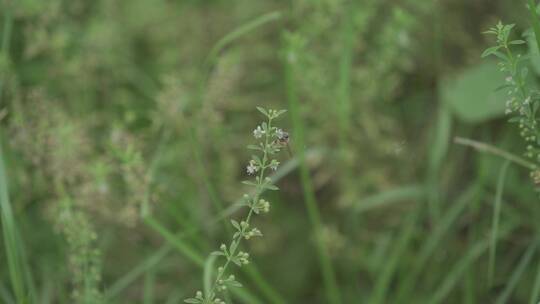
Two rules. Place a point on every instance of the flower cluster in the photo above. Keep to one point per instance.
(523, 102)
(271, 141)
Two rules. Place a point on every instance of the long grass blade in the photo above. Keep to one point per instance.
(6, 39)
(193, 256)
(495, 222)
(344, 82)
(383, 281)
(486, 148)
(429, 246)
(148, 289)
(208, 274)
(459, 269)
(390, 197)
(517, 274)
(241, 31)
(9, 229)
(535, 21)
(137, 271)
(535, 294)
(440, 143)
(329, 277)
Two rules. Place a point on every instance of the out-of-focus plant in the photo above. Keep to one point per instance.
(523, 100)
(272, 140)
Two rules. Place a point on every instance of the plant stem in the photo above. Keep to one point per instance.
(329, 278)
(250, 214)
(6, 37)
(483, 147)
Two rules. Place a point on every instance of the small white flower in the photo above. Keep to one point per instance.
(527, 101)
(258, 132)
(280, 133)
(251, 168)
(509, 79)
(508, 111)
(274, 165)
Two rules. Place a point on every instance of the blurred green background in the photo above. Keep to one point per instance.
(123, 130)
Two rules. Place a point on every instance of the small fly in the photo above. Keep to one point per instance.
(283, 140)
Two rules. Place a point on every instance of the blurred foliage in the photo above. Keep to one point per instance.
(123, 127)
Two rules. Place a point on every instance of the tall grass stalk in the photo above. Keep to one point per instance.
(4, 48)
(486, 148)
(404, 236)
(11, 239)
(440, 294)
(329, 276)
(517, 274)
(433, 242)
(495, 221)
(439, 147)
(535, 293)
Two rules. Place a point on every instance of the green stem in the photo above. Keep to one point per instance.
(6, 37)
(332, 292)
(483, 147)
(250, 214)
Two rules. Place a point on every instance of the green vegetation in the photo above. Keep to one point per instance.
(409, 173)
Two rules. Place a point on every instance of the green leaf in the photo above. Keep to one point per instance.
(517, 42)
(208, 274)
(490, 51)
(236, 225)
(249, 183)
(256, 159)
(254, 147)
(234, 283)
(192, 301)
(271, 187)
(279, 113)
(501, 55)
(12, 240)
(534, 54)
(263, 111)
(471, 95)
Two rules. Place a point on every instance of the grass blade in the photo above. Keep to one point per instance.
(536, 288)
(430, 244)
(483, 147)
(176, 242)
(535, 21)
(208, 274)
(344, 82)
(9, 229)
(331, 288)
(194, 256)
(517, 274)
(6, 39)
(495, 222)
(241, 31)
(439, 143)
(389, 197)
(383, 281)
(148, 290)
(137, 271)
(462, 265)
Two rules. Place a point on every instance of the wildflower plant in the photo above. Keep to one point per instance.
(270, 143)
(523, 101)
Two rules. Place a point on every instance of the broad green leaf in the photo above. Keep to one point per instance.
(472, 95)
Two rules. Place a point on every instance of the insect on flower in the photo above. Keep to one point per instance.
(283, 140)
